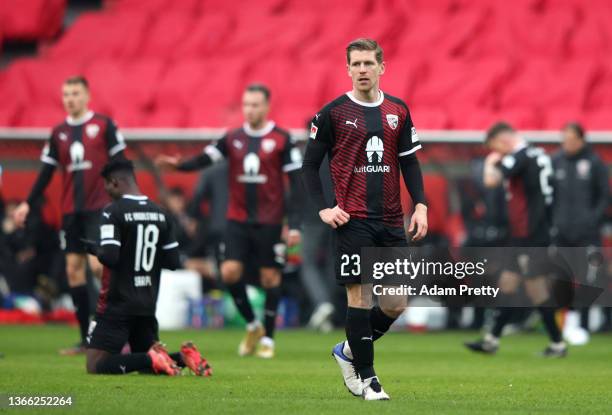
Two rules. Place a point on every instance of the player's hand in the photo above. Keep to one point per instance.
(493, 158)
(418, 222)
(167, 163)
(294, 237)
(334, 217)
(21, 214)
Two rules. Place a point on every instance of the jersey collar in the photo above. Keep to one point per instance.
(78, 121)
(379, 101)
(134, 197)
(261, 132)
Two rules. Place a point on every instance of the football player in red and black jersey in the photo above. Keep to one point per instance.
(369, 137)
(79, 147)
(527, 172)
(259, 155)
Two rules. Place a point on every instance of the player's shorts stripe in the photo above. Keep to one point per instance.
(116, 148)
(48, 160)
(110, 242)
(412, 150)
(291, 166)
(214, 153)
(170, 245)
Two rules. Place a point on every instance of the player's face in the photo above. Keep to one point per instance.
(571, 143)
(112, 188)
(502, 143)
(255, 108)
(75, 98)
(364, 70)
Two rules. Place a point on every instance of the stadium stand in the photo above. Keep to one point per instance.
(183, 63)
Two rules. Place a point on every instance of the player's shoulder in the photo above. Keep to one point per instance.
(233, 132)
(396, 101)
(342, 99)
(285, 134)
(102, 118)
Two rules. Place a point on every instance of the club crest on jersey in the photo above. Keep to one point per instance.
(268, 144)
(583, 168)
(392, 120)
(313, 131)
(375, 150)
(251, 165)
(77, 158)
(92, 130)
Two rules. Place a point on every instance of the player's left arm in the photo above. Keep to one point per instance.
(602, 189)
(292, 163)
(408, 144)
(115, 142)
(170, 258)
(109, 247)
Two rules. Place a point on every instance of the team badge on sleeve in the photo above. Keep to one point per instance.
(415, 136)
(313, 131)
(392, 119)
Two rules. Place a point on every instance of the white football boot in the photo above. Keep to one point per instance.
(349, 373)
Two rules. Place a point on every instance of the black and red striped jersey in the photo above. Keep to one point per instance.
(80, 149)
(529, 193)
(365, 141)
(144, 234)
(258, 160)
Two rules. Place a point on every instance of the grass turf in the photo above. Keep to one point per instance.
(424, 374)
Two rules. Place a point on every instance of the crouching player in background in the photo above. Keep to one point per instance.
(136, 242)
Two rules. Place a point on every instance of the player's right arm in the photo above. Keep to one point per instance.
(170, 258)
(319, 143)
(109, 247)
(212, 153)
(50, 158)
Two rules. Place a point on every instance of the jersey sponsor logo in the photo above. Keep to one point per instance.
(92, 130)
(77, 156)
(392, 120)
(251, 165)
(374, 152)
(353, 123)
(313, 131)
(268, 144)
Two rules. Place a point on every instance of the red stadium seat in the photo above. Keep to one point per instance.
(31, 20)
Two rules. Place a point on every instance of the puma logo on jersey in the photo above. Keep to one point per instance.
(353, 123)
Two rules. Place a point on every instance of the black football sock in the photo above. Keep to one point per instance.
(548, 318)
(178, 358)
(273, 296)
(120, 364)
(239, 294)
(504, 314)
(80, 299)
(359, 336)
(380, 323)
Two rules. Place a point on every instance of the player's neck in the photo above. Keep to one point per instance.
(369, 96)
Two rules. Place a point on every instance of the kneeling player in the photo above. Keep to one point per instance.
(136, 242)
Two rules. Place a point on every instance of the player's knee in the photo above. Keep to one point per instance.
(91, 366)
(230, 272)
(270, 278)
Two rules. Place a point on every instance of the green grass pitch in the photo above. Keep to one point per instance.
(424, 374)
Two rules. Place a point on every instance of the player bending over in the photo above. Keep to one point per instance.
(136, 242)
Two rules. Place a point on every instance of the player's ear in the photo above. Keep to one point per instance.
(383, 65)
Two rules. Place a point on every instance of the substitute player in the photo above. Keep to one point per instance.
(136, 242)
(259, 154)
(369, 137)
(527, 171)
(79, 147)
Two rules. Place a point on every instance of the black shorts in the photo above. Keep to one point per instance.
(357, 234)
(528, 258)
(79, 225)
(244, 241)
(111, 332)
